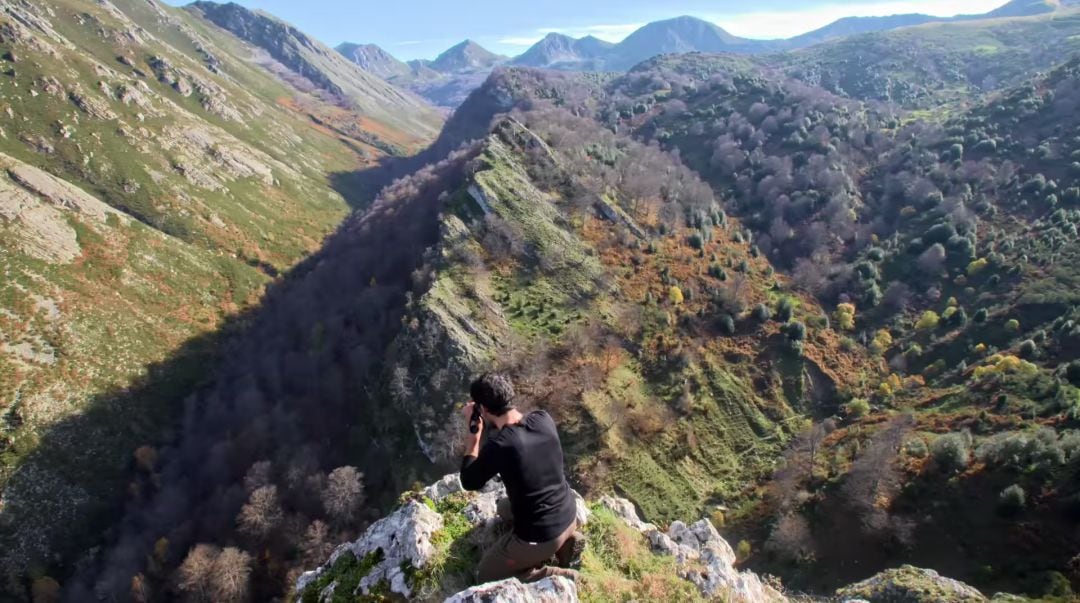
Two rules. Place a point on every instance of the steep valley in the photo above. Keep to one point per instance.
(831, 305)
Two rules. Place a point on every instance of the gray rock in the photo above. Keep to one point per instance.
(909, 584)
(549, 590)
(624, 509)
(404, 537)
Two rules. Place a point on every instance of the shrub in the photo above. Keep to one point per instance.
(1072, 372)
(951, 452)
(761, 313)
(845, 317)
(1012, 500)
(882, 340)
(916, 448)
(785, 309)
(696, 241)
(727, 324)
(928, 321)
(796, 331)
(1012, 325)
(977, 266)
(743, 550)
(875, 254)
(955, 317)
(1028, 348)
(857, 408)
(675, 295)
(980, 316)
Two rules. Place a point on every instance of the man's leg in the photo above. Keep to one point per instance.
(511, 556)
(504, 510)
(559, 548)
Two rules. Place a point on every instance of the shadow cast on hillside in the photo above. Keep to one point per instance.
(295, 379)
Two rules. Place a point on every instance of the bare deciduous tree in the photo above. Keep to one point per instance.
(875, 480)
(232, 569)
(195, 574)
(344, 493)
(791, 538)
(316, 546)
(262, 514)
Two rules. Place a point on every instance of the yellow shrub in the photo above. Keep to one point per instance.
(882, 340)
(845, 316)
(977, 266)
(929, 320)
(980, 349)
(952, 303)
(675, 295)
(1004, 363)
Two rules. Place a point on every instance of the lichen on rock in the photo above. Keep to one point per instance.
(909, 584)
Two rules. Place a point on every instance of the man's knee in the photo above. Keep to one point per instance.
(496, 566)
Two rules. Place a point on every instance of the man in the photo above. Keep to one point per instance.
(525, 451)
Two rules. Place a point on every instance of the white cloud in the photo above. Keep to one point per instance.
(785, 24)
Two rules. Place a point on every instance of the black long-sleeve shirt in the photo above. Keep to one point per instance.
(529, 458)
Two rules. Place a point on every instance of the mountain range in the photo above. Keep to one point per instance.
(456, 69)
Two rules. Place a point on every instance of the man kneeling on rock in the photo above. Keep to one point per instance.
(525, 451)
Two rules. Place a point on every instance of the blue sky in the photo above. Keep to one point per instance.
(412, 29)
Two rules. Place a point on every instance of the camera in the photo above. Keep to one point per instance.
(474, 422)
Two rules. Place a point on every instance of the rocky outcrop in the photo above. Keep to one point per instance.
(394, 550)
(401, 539)
(549, 590)
(909, 584)
(403, 543)
(704, 557)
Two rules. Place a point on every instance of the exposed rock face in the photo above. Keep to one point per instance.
(908, 584)
(706, 559)
(403, 537)
(402, 541)
(549, 590)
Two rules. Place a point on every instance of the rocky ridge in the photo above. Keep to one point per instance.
(393, 555)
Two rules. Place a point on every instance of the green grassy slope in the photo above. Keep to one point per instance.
(938, 63)
(153, 180)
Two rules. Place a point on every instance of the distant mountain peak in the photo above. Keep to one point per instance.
(558, 49)
(467, 55)
(374, 59)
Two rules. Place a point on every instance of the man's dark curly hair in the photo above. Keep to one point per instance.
(493, 391)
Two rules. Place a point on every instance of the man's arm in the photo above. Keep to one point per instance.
(477, 466)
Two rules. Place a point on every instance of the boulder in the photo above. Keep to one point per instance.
(549, 590)
(909, 584)
(704, 557)
(401, 539)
